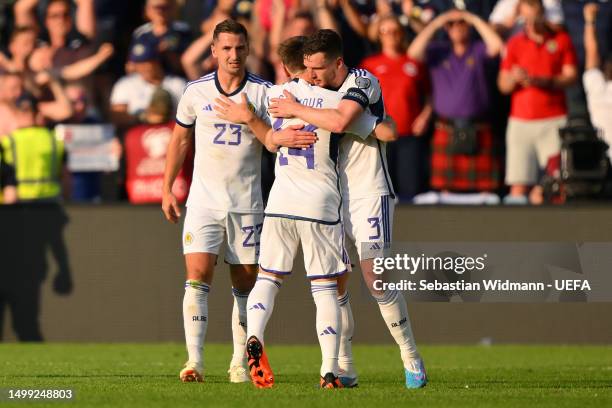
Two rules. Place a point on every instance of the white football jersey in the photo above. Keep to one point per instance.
(307, 186)
(227, 164)
(363, 163)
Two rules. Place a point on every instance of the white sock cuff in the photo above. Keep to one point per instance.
(197, 285)
(272, 279)
(240, 294)
(343, 300)
(320, 288)
(388, 297)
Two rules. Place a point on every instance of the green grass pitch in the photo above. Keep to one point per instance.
(113, 375)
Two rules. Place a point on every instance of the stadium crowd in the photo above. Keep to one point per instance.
(478, 88)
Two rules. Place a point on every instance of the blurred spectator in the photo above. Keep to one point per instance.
(597, 82)
(34, 153)
(539, 64)
(463, 147)
(300, 24)
(405, 88)
(20, 47)
(413, 16)
(507, 21)
(350, 19)
(85, 186)
(61, 43)
(131, 95)
(170, 37)
(12, 87)
(482, 8)
(25, 12)
(145, 154)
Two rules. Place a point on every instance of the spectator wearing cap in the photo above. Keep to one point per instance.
(463, 157)
(131, 95)
(597, 80)
(34, 153)
(540, 63)
(405, 87)
(169, 36)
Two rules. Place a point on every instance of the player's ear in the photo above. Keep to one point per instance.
(339, 62)
(287, 73)
(213, 50)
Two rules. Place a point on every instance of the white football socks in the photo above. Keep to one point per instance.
(395, 313)
(239, 327)
(345, 354)
(195, 318)
(325, 295)
(260, 304)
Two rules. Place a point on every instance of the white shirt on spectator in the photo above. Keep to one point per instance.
(133, 91)
(599, 99)
(504, 10)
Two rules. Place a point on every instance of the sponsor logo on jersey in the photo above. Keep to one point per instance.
(363, 82)
(207, 108)
(410, 69)
(552, 46)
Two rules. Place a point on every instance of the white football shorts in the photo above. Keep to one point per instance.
(368, 222)
(205, 230)
(321, 244)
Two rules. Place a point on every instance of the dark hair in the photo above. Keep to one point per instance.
(20, 30)
(303, 14)
(230, 26)
(326, 41)
(68, 4)
(291, 53)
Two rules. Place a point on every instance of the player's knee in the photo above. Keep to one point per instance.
(243, 277)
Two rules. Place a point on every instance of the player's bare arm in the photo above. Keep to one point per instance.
(241, 112)
(335, 120)
(177, 150)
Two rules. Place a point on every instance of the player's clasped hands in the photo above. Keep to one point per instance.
(283, 107)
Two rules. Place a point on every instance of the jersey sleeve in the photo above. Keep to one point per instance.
(363, 126)
(185, 114)
(365, 89)
(594, 82)
(261, 109)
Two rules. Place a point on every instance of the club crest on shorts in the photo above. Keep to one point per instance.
(188, 238)
(363, 82)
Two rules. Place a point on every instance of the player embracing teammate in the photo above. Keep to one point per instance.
(225, 205)
(368, 198)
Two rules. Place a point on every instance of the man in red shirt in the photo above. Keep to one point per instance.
(405, 86)
(540, 63)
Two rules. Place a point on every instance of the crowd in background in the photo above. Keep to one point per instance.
(478, 88)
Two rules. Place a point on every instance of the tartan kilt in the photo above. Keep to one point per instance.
(461, 172)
